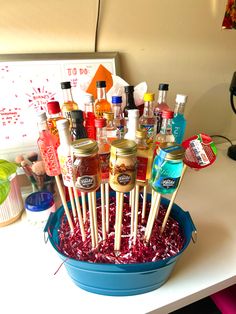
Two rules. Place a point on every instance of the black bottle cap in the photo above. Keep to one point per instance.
(129, 89)
(65, 85)
(101, 83)
(77, 115)
(163, 86)
(232, 152)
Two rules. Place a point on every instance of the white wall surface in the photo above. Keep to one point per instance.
(179, 41)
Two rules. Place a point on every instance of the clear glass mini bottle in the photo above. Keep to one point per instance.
(110, 127)
(179, 121)
(54, 114)
(148, 121)
(165, 134)
(161, 104)
(119, 120)
(69, 104)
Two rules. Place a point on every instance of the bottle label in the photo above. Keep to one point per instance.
(150, 130)
(49, 156)
(142, 163)
(104, 161)
(124, 179)
(120, 131)
(167, 183)
(66, 170)
(86, 182)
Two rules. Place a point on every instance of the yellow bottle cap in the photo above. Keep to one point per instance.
(149, 97)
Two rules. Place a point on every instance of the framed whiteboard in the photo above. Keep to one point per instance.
(29, 81)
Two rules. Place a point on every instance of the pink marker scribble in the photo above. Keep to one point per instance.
(39, 98)
(9, 116)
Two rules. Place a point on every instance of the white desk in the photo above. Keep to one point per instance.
(27, 265)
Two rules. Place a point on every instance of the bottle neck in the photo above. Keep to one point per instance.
(65, 137)
(101, 93)
(55, 115)
(141, 143)
(179, 109)
(162, 96)
(130, 100)
(148, 109)
(166, 127)
(43, 126)
(67, 95)
(101, 135)
(117, 111)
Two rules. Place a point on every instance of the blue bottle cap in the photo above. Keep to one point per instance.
(39, 201)
(116, 99)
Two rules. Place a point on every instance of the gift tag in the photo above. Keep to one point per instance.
(200, 151)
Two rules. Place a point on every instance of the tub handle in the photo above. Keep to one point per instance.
(194, 230)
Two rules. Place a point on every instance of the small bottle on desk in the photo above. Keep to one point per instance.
(69, 104)
(101, 104)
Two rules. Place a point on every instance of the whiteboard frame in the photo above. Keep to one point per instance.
(9, 59)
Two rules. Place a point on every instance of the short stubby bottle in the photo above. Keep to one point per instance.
(101, 104)
(167, 168)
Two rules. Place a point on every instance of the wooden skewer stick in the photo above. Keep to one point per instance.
(91, 220)
(118, 222)
(172, 200)
(152, 216)
(107, 200)
(64, 203)
(72, 202)
(144, 201)
(136, 206)
(95, 220)
(84, 207)
(132, 196)
(79, 213)
(103, 212)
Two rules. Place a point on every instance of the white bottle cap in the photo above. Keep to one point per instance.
(181, 98)
(41, 117)
(133, 113)
(62, 124)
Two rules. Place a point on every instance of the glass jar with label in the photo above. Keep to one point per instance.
(123, 163)
(167, 168)
(86, 165)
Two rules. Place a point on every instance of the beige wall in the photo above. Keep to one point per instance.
(176, 41)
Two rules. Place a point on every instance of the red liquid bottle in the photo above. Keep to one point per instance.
(48, 144)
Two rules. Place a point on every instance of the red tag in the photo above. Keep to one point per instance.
(142, 168)
(200, 151)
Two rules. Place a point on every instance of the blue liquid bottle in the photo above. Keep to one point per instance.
(167, 168)
(179, 121)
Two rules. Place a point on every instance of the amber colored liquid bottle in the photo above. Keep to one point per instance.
(69, 104)
(101, 104)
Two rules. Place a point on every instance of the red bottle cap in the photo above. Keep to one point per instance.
(100, 122)
(167, 114)
(53, 107)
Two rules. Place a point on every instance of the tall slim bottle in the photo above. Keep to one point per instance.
(119, 120)
(48, 144)
(179, 121)
(161, 104)
(103, 148)
(69, 103)
(64, 152)
(101, 104)
(148, 121)
(129, 100)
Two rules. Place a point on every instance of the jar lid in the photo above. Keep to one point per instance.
(109, 116)
(171, 151)
(148, 96)
(84, 147)
(39, 201)
(53, 107)
(123, 147)
(141, 133)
